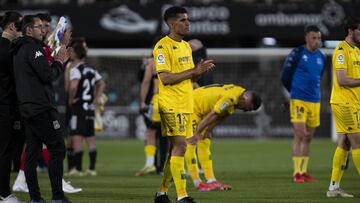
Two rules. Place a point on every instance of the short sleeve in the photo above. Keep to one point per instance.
(97, 76)
(339, 59)
(75, 74)
(161, 59)
(224, 106)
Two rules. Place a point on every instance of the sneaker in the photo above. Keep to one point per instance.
(89, 172)
(186, 200)
(74, 172)
(217, 185)
(146, 170)
(298, 178)
(203, 187)
(67, 188)
(20, 183)
(10, 199)
(338, 193)
(307, 178)
(161, 198)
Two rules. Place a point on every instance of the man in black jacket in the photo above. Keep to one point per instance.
(33, 78)
(7, 103)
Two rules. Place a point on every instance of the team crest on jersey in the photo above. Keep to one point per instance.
(160, 59)
(319, 61)
(340, 59)
(17, 125)
(38, 54)
(224, 105)
(56, 124)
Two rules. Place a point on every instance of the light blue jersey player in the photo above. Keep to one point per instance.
(302, 71)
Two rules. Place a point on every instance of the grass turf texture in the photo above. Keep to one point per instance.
(258, 170)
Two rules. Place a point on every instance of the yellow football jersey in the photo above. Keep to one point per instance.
(174, 57)
(220, 98)
(348, 58)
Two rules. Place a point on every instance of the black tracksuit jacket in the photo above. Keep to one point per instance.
(34, 76)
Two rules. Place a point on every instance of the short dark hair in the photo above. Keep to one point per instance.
(311, 28)
(27, 21)
(352, 24)
(11, 17)
(77, 40)
(44, 16)
(256, 100)
(79, 48)
(172, 12)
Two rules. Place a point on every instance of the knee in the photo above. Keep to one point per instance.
(179, 149)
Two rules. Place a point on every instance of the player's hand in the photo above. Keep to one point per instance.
(204, 67)
(66, 37)
(208, 134)
(194, 139)
(73, 101)
(144, 109)
(62, 55)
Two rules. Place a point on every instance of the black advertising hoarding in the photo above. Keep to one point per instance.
(221, 25)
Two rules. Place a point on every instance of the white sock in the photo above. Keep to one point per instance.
(211, 180)
(160, 193)
(180, 198)
(334, 185)
(150, 161)
(197, 182)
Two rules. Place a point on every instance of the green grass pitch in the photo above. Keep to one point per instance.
(259, 171)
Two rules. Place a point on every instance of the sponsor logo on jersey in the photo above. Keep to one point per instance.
(160, 59)
(305, 58)
(38, 54)
(184, 59)
(340, 59)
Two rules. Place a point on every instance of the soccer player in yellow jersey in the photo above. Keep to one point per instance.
(345, 104)
(176, 71)
(212, 104)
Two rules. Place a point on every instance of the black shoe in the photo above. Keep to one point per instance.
(186, 200)
(41, 201)
(161, 199)
(65, 200)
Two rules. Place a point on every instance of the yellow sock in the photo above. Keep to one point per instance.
(167, 177)
(191, 161)
(356, 159)
(178, 172)
(204, 155)
(304, 165)
(339, 161)
(150, 150)
(297, 164)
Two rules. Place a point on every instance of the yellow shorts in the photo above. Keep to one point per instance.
(195, 122)
(347, 118)
(305, 112)
(154, 109)
(176, 124)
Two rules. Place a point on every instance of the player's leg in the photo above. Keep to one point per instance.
(78, 154)
(298, 119)
(77, 130)
(92, 156)
(343, 147)
(305, 151)
(149, 149)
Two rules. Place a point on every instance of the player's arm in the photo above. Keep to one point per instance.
(145, 85)
(210, 121)
(344, 80)
(289, 68)
(100, 88)
(73, 86)
(202, 67)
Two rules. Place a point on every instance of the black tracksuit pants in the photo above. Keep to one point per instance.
(6, 149)
(44, 128)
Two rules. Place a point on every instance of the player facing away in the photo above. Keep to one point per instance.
(176, 71)
(86, 88)
(302, 71)
(212, 104)
(344, 100)
(150, 111)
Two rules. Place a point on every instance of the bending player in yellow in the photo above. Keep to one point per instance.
(212, 104)
(176, 71)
